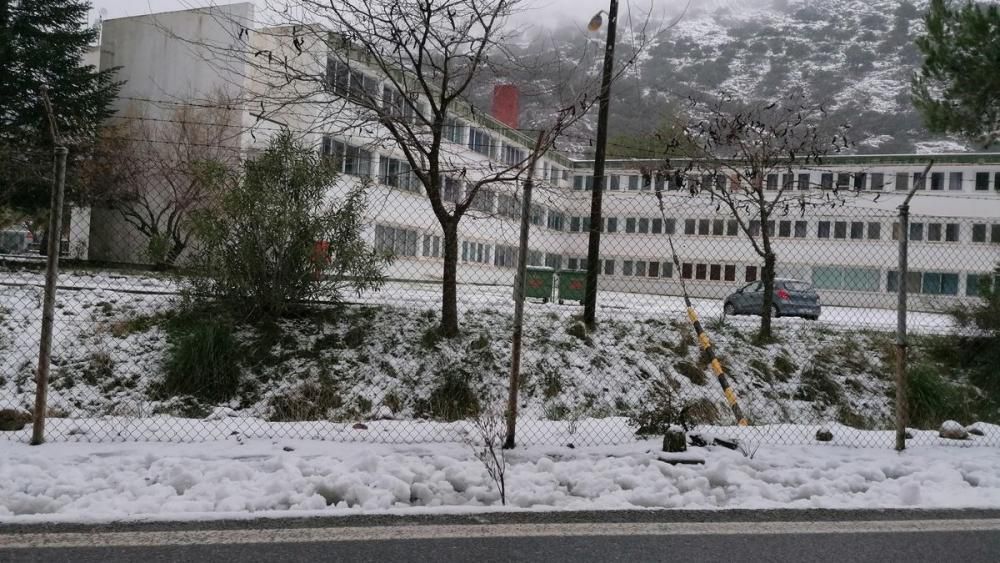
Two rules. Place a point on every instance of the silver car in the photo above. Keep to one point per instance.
(792, 298)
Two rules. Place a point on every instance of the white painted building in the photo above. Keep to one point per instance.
(848, 250)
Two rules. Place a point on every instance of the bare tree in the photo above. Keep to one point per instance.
(156, 171)
(395, 75)
(748, 154)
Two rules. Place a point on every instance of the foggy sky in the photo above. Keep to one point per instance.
(537, 13)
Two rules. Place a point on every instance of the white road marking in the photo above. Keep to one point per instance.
(418, 532)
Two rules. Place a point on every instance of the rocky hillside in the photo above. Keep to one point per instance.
(856, 56)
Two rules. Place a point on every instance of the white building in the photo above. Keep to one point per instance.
(848, 248)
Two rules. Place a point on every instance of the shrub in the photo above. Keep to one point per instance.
(658, 412)
(202, 361)
(310, 401)
(931, 399)
(692, 372)
(453, 399)
(273, 241)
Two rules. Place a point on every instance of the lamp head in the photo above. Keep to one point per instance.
(595, 22)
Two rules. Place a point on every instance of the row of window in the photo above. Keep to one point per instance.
(801, 181)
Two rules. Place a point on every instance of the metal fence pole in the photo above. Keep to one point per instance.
(901, 344)
(904, 227)
(48, 305)
(519, 282)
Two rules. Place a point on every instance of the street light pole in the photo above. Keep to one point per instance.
(594, 245)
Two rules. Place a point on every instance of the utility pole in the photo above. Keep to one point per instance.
(594, 245)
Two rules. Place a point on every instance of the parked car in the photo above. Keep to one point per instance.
(792, 298)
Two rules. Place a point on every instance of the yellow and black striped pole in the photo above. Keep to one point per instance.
(703, 340)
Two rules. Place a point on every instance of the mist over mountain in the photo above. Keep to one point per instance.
(855, 56)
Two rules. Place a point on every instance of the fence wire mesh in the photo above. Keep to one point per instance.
(375, 367)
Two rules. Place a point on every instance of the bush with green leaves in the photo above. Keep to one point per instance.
(203, 361)
(276, 238)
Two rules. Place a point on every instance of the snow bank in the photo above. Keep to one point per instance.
(229, 479)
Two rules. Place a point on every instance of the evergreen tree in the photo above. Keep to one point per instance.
(42, 42)
(956, 89)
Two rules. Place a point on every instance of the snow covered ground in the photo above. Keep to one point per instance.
(268, 478)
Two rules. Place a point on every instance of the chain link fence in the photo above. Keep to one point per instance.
(375, 368)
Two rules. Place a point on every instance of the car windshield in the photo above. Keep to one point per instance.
(797, 286)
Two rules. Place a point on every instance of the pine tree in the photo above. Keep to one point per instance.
(956, 89)
(42, 42)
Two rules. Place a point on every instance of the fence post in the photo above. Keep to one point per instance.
(519, 281)
(901, 344)
(904, 235)
(54, 231)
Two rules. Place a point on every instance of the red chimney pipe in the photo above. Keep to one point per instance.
(506, 104)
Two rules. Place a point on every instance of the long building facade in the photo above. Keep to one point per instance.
(837, 226)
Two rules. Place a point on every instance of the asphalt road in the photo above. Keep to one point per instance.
(967, 536)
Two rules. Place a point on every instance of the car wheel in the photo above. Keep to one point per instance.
(775, 313)
(729, 309)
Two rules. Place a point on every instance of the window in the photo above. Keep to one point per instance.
(483, 201)
(395, 240)
(982, 181)
(874, 230)
(508, 206)
(800, 229)
(840, 229)
(657, 226)
(826, 181)
(878, 181)
(934, 231)
(612, 224)
(689, 226)
(994, 233)
(704, 226)
(481, 142)
(633, 183)
(955, 181)
(772, 181)
(670, 226)
(687, 270)
(630, 225)
(729, 273)
(937, 181)
(843, 180)
(916, 231)
(452, 189)
(609, 267)
(574, 224)
(715, 272)
(939, 284)
(803, 182)
(784, 228)
(895, 231)
(718, 227)
(754, 228)
(354, 161)
(337, 76)
(857, 230)
(479, 252)
(974, 283)
(902, 182)
(996, 181)
(979, 233)
(512, 155)
(823, 229)
(627, 268)
(640, 268)
(654, 269)
(859, 181)
(770, 228)
(643, 225)
(849, 279)
(700, 271)
(556, 220)
(553, 261)
(396, 173)
(432, 246)
(504, 256)
(788, 181)
(919, 181)
(732, 228)
(666, 269)
(614, 182)
(751, 274)
(912, 281)
(537, 216)
(396, 105)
